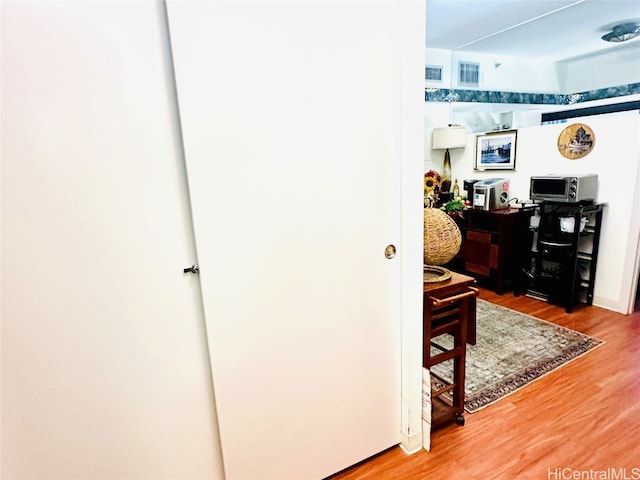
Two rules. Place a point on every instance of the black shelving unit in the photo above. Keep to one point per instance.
(561, 265)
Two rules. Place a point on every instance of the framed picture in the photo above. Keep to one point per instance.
(496, 151)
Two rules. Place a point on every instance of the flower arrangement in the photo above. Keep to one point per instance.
(456, 206)
(431, 183)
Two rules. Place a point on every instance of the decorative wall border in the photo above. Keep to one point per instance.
(487, 96)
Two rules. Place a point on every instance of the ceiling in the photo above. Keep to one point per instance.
(556, 30)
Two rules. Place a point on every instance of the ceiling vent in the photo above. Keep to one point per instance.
(622, 33)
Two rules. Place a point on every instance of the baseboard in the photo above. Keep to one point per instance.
(411, 443)
(609, 304)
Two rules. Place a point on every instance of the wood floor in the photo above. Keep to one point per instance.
(575, 422)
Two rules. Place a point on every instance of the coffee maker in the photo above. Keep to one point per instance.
(491, 194)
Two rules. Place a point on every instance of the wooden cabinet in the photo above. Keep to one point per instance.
(493, 245)
(561, 265)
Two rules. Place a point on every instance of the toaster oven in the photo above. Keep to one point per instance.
(563, 188)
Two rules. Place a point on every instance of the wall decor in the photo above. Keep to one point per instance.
(490, 96)
(576, 141)
(496, 151)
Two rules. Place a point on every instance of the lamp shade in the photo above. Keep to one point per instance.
(454, 136)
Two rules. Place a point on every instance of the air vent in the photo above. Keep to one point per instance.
(468, 73)
(433, 73)
(622, 33)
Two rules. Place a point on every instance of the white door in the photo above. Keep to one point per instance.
(290, 114)
(105, 369)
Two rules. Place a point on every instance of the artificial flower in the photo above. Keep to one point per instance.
(431, 181)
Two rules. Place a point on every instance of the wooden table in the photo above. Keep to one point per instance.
(457, 284)
(449, 307)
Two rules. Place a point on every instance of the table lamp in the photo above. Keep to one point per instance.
(453, 136)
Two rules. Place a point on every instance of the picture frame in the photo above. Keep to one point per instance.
(496, 151)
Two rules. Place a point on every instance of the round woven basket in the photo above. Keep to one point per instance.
(442, 238)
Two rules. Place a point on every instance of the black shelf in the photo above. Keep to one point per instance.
(561, 264)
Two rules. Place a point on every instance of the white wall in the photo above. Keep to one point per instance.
(615, 159)
(516, 74)
(620, 67)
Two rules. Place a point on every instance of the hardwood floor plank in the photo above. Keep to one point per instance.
(583, 416)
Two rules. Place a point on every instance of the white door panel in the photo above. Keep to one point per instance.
(105, 369)
(291, 126)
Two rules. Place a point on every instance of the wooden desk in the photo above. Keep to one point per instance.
(449, 307)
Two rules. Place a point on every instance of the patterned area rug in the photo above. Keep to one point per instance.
(512, 350)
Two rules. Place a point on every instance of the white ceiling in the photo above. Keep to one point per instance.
(556, 30)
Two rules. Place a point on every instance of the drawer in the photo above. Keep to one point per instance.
(480, 237)
(480, 253)
(477, 269)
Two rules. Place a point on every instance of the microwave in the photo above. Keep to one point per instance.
(564, 188)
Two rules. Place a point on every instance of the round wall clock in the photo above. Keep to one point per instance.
(576, 141)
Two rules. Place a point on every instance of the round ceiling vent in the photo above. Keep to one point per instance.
(622, 33)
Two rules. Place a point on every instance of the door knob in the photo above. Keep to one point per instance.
(390, 251)
(192, 269)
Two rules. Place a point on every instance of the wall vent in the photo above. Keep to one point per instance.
(433, 73)
(468, 74)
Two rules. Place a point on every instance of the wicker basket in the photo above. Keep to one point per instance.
(442, 238)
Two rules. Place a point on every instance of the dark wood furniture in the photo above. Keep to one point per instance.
(493, 245)
(560, 267)
(449, 307)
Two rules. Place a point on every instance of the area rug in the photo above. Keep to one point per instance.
(512, 350)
